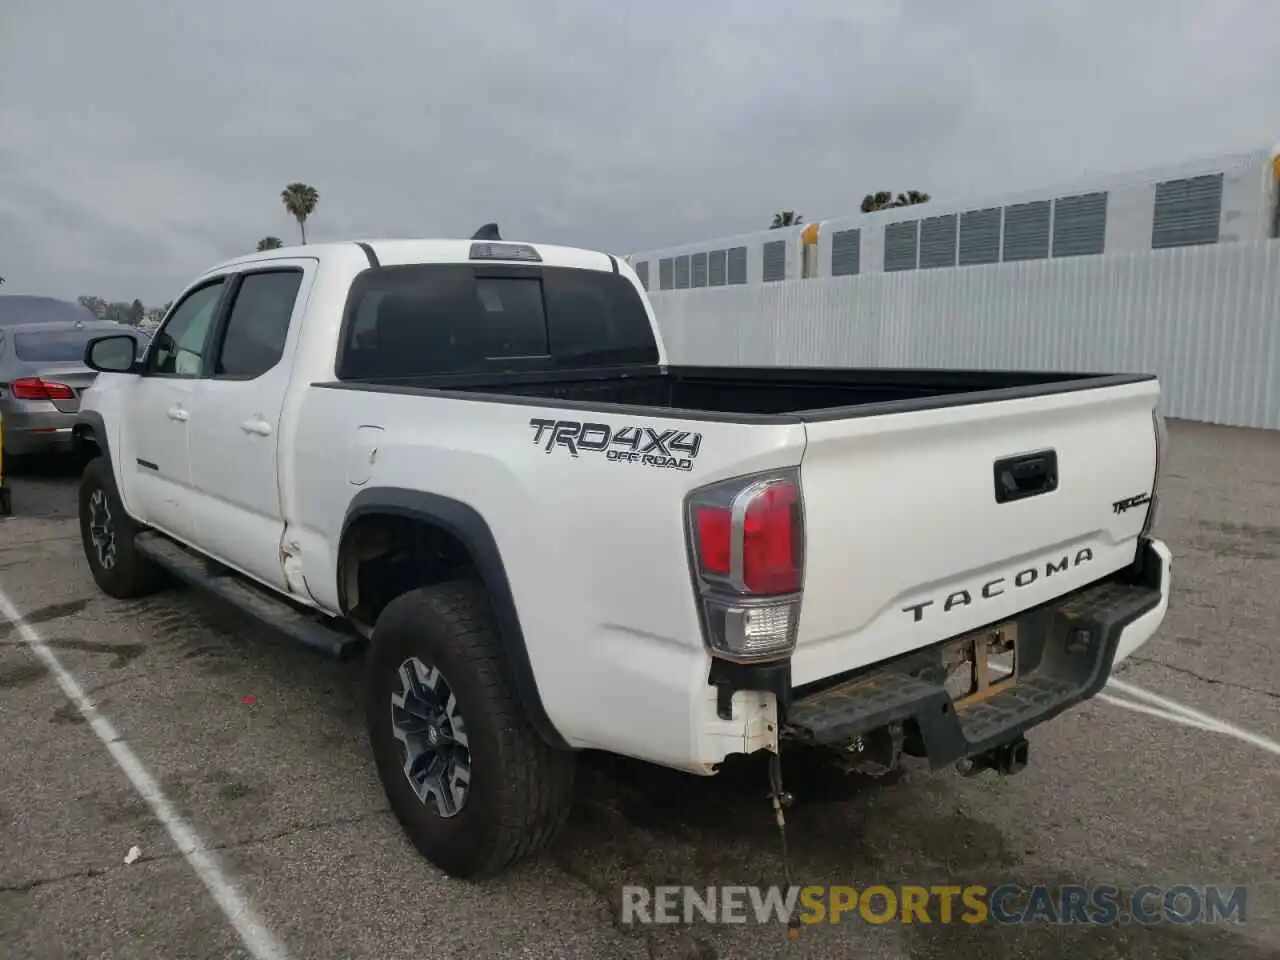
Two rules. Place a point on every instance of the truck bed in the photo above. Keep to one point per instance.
(750, 394)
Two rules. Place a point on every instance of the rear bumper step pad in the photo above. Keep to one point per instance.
(1064, 651)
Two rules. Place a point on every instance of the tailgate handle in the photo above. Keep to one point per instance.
(1026, 476)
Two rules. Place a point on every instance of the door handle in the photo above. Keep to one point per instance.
(177, 413)
(256, 425)
(1026, 476)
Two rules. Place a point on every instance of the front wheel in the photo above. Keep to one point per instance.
(107, 533)
(473, 786)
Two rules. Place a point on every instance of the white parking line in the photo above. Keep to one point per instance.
(1171, 710)
(253, 933)
(1188, 714)
(1157, 712)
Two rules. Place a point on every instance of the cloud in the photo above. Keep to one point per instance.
(142, 142)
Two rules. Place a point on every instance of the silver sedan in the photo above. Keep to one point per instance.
(42, 375)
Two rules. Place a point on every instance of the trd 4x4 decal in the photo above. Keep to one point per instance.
(669, 449)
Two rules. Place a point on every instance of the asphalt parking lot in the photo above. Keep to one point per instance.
(259, 747)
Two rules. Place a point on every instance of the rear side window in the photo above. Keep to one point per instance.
(258, 324)
(408, 321)
(54, 346)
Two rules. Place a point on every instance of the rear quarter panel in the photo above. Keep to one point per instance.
(594, 548)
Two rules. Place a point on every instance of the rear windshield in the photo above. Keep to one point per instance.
(453, 318)
(52, 346)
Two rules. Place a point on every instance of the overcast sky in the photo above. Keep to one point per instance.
(141, 141)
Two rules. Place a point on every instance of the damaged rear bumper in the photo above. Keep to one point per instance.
(1064, 651)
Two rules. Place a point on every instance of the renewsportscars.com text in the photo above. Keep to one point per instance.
(939, 903)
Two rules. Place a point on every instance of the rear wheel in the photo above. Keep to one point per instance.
(474, 787)
(107, 533)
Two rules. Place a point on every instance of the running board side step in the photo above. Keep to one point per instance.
(295, 621)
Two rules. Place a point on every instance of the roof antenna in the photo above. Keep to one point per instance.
(488, 232)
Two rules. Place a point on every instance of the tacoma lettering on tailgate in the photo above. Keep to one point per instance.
(667, 449)
(995, 587)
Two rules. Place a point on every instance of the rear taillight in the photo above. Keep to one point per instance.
(747, 549)
(33, 388)
(1162, 446)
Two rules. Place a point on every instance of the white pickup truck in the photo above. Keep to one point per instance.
(473, 458)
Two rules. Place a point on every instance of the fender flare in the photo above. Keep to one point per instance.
(97, 426)
(91, 421)
(470, 528)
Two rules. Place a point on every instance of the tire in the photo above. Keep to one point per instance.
(519, 789)
(122, 572)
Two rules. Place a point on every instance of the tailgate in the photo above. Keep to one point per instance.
(908, 542)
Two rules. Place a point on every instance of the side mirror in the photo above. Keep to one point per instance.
(115, 353)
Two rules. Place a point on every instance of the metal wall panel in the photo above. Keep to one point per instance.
(1026, 231)
(938, 242)
(900, 246)
(1187, 212)
(699, 269)
(773, 263)
(980, 236)
(1080, 225)
(846, 253)
(716, 264)
(1206, 319)
(682, 272)
(666, 273)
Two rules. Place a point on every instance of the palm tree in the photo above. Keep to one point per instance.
(787, 218)
(300, 200)
(883, 200)
(270, 243)
(911, 198)
(877, 201)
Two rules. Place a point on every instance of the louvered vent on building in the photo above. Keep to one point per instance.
(716, 268)
(1188, 212)
(980, 237)
(1026, 231)
(666, 274)
(846, 252)
(938, 241)
(738, 265)
(900, 245)
(699, 269)
(682, 272)
(1080, 225)
(773, 264)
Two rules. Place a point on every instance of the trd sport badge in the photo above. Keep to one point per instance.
(666, 449)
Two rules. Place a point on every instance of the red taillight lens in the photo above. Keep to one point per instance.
(714, 528)
(770, 564)
(746, 538)
(762, 552)
(33, 388)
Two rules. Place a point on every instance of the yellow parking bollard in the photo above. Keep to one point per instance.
(6, 505)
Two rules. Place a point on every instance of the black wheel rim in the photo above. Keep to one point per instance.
(435, 753)
(102, 529)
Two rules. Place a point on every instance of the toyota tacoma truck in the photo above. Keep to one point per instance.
(472, 462)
